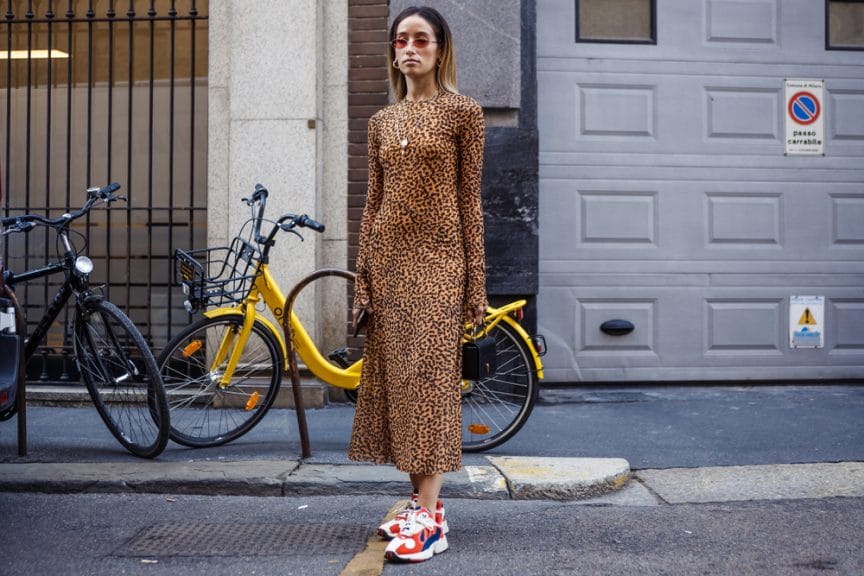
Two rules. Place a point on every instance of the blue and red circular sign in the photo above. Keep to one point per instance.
(804, 108)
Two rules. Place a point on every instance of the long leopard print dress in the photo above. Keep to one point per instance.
(421, 265)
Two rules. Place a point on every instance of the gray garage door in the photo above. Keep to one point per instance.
(666, 199)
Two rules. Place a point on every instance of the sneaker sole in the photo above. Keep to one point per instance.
(437, 548)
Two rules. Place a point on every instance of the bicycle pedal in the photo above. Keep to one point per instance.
(339, 357)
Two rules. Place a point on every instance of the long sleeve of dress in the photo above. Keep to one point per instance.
(374, 193)
(471, 142)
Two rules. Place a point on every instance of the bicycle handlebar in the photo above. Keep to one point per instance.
(286, 223)
(305, 221)
(27, 222)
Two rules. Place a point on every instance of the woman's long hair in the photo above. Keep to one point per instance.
(445, 72)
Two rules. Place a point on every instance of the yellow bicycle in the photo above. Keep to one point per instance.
(222, 372)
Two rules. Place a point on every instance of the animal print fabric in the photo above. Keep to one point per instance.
(421, 265)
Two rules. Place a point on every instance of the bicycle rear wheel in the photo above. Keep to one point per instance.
(204, 410)
(121, 375)
(495, 408)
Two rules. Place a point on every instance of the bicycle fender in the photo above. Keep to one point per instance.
(220, 312)
(524, 335)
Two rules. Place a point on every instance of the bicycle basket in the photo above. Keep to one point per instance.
(216, 276)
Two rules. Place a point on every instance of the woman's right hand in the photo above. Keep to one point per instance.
(355, 316)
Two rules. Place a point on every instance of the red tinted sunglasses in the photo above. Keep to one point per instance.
(419, 43)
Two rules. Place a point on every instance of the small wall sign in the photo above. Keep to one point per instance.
(806, 321)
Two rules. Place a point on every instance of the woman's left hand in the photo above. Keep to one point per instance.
(476, 315)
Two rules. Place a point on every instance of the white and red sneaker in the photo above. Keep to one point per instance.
(421, 537)
(391, 528)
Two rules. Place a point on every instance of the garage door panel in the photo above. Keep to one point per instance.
(847, 223)
(640, 312)
(744, 220)
(748, 113)
(846, 316)
(738, 327)
(845, 120)
(731, 22)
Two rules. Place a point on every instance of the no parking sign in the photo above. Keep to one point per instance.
(805, 117)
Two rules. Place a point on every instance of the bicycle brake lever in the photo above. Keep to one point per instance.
(290, 228)
(18, 226)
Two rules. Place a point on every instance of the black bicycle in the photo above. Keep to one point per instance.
(113, 358)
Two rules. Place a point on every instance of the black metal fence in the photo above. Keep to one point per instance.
(98, 91)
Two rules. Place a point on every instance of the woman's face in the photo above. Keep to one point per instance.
(419, 56)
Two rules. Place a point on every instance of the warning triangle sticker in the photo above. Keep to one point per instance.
(807, 318)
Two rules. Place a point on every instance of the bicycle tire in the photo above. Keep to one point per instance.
(495, 408)
(202, 412)
(122, 377)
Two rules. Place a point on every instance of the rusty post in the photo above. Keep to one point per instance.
(306, 448)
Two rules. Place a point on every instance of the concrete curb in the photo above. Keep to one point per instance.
(505, 478)
(562, 478)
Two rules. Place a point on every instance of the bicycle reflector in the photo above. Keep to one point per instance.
(479, 428)
(539, 342)
(253, 401)
(191, 348)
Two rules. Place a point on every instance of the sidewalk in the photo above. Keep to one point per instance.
(71, 451)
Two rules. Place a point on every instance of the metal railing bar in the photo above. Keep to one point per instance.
(130, 202)
(172, 72)
(8, 123)
(47, 254)
(109, 147)
(150, 120)
(192, 128)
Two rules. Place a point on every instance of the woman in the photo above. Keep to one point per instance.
(421, 275)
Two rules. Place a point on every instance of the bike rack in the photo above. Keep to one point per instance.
(306, 449)
(20, 390)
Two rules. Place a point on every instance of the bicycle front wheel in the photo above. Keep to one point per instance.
(495, 408)
(207, 410)
(121, 375)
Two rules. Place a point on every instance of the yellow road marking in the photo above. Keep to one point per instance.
(370, 562)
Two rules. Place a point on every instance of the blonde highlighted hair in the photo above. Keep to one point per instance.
(445, 72)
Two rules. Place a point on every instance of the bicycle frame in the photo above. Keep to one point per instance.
(265, 287)
(76, 282)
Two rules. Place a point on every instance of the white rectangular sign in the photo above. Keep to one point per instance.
(805, 115)
(806, 321)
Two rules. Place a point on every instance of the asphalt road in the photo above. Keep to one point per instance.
(190, 535)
